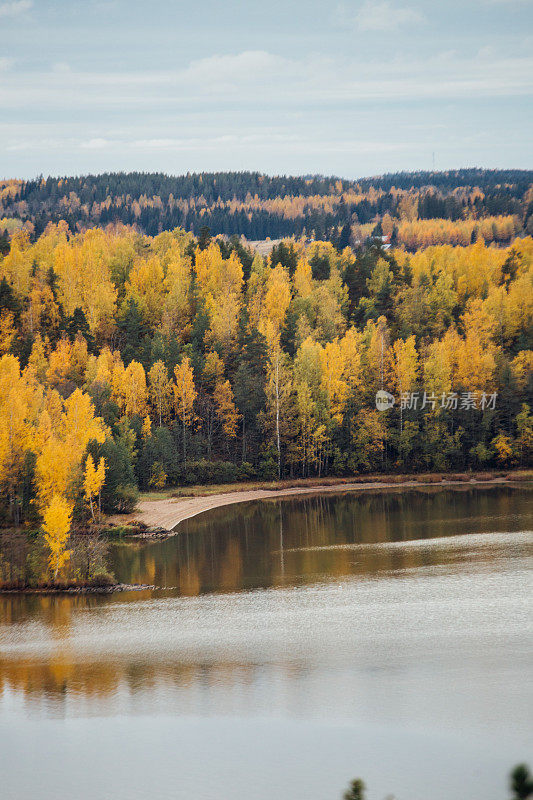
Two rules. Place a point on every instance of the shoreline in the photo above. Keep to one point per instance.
(160, 518)
(73, 590)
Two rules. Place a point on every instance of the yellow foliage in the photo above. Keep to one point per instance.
(59, 363)
(503, 447)
(93, 480)
(351, 349)
(375, 340)
(402, 361)
(20, 402)
(224, 319)
(160, 390)
(158, 478)
(278, 296)
(8, 332)
(63, 444)
(226, 410)
(38, 362)
(303, 279)
(308, 364)
(41, 311)
(335, 388)
(57, 519)
(134, 389)
(67, 362)
(184, 391)
(177, 285)
(220, 282)
(99, 370)
(146, 430)
(438, 369)
(83, 266)
(146, 287)
(476, 355)
(16, 265)
(416, 234)
(213, 368)
(369, 434)
(473, 268)
(522, 368)
(117, 383)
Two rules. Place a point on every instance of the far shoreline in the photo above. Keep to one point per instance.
(159, 517)
(75, 590)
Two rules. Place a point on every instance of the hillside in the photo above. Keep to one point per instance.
(415, 209)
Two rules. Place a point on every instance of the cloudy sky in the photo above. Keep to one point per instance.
(350, 88)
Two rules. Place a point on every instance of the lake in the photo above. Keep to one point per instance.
(291, 645)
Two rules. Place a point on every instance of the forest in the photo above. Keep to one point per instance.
(146, 343)
(135, 362)
(413, 209)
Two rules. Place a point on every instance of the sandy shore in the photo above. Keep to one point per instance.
(167, 513)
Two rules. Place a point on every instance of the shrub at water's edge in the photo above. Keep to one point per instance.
(27, 561)
(520, 781)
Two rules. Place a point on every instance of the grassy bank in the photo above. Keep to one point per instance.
(426, 477)
(159, 513)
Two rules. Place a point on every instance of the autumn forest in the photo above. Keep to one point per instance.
(144, 344)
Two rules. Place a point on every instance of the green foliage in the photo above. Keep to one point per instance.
(285, 254)
(204, 471)
(4, 243)
(119, 493)
(521, 782)
(268, 467)
(8, 299)
(77, 325)
(134, 330)
(204, 237)
(356, 791)
(158, 449)
(226, 206)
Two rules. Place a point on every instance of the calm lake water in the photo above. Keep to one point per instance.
(292, 645)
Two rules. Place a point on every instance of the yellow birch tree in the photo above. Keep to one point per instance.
(93, 481)
(184, 396)
(57, 519)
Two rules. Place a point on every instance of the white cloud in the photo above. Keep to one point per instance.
(233, 69)
(15, 8)
(269, 139)
(95, 144)
(6, 63)
(257, 77)
(61, 66)
(385, 16)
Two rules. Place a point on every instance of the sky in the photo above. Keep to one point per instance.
(351, 88)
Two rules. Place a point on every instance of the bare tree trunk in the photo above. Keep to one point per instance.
(278, 439)
(209, 432)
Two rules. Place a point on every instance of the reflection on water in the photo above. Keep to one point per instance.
(305, 642)
(295, 541)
